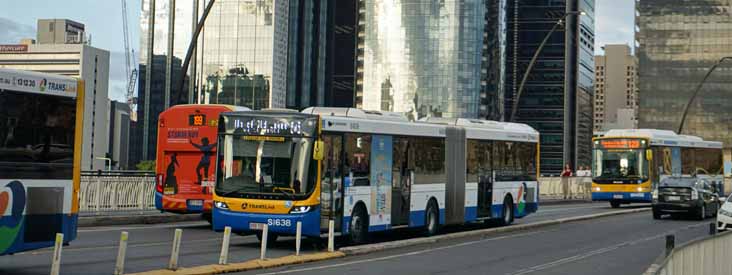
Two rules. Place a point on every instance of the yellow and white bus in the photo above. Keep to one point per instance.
(40, 158)
(628, 164)
(369, 171)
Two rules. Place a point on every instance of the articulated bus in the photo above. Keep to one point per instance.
(369, 171)
(628, 164)
(41, 119)
(185, 151)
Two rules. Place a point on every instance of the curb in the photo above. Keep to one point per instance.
(248, 265)
(365, 249)
(90, 221)
(560, 202)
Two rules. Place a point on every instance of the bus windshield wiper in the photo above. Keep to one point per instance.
(238, 190)
(290, 195)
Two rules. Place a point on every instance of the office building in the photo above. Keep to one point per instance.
(558, 95)
(76, 60)
(430, 58)
(679, 41)
(616, 92)
(119, 135)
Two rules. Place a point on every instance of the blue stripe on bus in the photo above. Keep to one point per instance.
(239, 221)
(471, 213)
(627, 196)
(158, 201)
(68, 228)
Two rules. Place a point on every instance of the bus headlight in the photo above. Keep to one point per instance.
(221, 205)
(640, 189)
(597, 189)
(300, 209)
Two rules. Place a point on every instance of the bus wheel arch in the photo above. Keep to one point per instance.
(358, 227)
(432, 217)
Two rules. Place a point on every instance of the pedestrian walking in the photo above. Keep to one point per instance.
(566, 173)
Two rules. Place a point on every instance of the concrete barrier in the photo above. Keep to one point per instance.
(709, 255)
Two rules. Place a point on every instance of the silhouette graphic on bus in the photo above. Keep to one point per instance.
(170, 180)
(205, 163)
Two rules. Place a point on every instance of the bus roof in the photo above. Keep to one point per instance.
(231, 108)
(341, 119)
(38, 83)
(663, 138)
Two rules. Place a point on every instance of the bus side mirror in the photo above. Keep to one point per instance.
(318, 150)
(649, 155)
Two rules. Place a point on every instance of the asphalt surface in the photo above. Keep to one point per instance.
(95, 249)
(625, 244)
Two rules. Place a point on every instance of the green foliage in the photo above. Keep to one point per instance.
(146, 165)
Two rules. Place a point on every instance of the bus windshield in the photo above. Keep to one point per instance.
(620, 164)
(263, 165)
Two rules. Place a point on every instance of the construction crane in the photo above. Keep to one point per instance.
(130, 68)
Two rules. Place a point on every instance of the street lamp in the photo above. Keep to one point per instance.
(696, 92)
(108, 161)
(514, 110)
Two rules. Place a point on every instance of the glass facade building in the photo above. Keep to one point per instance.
(430, 58)
(679, 42)
(557, 97)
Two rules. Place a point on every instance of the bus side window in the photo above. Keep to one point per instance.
(358, 161)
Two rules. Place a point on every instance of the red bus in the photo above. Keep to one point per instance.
(185, 166)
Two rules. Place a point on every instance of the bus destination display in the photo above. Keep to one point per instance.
(292, 126)
(620, 143)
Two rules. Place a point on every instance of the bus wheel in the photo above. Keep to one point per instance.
(615, 204)
(359, 226)
(207, 217)
(507, 211)
(431, 220)
(271, 238)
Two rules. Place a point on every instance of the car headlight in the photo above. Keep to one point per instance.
(655, 194)
(300, 209)
(221, 205)
(725, 212)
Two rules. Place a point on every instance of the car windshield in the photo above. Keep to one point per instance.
(678, 182)
(619, 164)
(276, 165)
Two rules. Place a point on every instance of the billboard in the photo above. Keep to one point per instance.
(33, 82)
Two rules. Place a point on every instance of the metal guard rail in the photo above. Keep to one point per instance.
(116, 192)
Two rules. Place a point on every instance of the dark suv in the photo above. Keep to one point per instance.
(695, 197)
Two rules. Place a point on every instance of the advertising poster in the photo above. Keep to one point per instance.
(676, 161)
(381, 179)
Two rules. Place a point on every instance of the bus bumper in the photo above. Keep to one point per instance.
(182, 205)
(283, 224)
(622, 196)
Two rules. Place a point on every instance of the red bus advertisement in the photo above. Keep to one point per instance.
(185, 166)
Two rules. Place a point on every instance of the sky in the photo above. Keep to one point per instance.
(103, 20)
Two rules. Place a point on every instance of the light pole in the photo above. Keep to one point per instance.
(108, 161)
(696, 92)
(514, 109)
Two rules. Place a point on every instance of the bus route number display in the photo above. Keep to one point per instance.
(197, 120)
(620, 143)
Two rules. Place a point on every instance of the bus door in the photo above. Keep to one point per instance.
(331, 191)
(486, 178)
(402, 178)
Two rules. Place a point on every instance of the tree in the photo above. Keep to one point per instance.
(146, 165)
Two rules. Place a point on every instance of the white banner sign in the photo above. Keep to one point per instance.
(33, 82)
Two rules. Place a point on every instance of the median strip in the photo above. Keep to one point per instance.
(365, 249)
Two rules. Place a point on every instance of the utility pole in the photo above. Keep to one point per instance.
(148, 77)
(169, 63)
(192, 76)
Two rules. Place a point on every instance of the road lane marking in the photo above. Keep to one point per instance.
(404, 254)
(140, 227)
(603, 250)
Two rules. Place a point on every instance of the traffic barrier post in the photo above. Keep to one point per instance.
(119, 267)
(331, 241)
(173, 265)
(298, 236)
(224, 257)
(670, 243)
(263, 251)
(56, 261)
(713, 228)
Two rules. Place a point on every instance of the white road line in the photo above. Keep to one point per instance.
(404, 254)
(603, 250)
(141, 227)
(565, 209)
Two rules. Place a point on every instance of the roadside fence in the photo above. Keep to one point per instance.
(117, 191)
(707, 255)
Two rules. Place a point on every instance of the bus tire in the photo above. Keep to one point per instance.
(358, 227)
(431, 219)
(271, 238)
(507, 217)
(615, 204)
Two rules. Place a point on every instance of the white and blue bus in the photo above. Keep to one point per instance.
(40, 153)
(369, 171)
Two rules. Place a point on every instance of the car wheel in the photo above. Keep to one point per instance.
(656, 214)
(431, 220)
(507, 212)
(614, 204)
(359, 226)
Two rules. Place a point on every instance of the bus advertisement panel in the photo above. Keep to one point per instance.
(40, 158)
(185, 157)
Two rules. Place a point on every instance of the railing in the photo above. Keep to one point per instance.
(105, 192)
(552, 188)
(709, 255)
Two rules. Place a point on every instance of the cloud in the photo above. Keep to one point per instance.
(615, 23)
(11, 32)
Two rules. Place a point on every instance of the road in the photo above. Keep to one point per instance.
(625, 244)
(95, 249)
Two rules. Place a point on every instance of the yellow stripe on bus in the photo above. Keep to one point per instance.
(78, 140)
